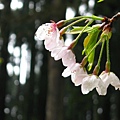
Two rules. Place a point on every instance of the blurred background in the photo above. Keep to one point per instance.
(31, 85)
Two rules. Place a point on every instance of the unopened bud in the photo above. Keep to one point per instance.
(72, 45)
(107, 67)
(107, 33)
(84, 61)
(62, 31)
(60, 23)
(96, 70)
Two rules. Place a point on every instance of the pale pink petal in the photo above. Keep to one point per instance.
(66, 72)
(78, 73)
(68, 58)
(55, 50)
(110, 78)
(50, 33)
(60, 53)
(66, 54)
(78, 78)
(59, 44)
(101, 88)
(115, 82)
(49, 44)
(42, 31)
(104, 78)
(89, 83)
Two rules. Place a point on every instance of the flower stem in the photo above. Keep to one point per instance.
(108, 57)
(101, 51)
(77, 20)
(97, 67)
(86, 17)
(64, 29)
(99, 41)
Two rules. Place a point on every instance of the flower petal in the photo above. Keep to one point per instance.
(89, 83)
(68, 58)
(110, 78)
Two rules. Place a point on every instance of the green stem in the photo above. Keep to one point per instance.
(108, 57)
(97, 67)
(86, 17)
(101, 51)
(63, 30)
(94, 47)
(73, 23)
(80, 18)
(108, 54)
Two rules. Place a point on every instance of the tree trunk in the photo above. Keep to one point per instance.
(54, 108)
(42, 84)
(54, 104)
(4, 55)
(31, 84)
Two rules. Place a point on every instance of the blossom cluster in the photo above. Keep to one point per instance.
(55, 44)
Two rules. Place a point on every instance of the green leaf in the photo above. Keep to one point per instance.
(89, 43)
(91, 60)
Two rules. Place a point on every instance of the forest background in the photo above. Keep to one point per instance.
(31, 85)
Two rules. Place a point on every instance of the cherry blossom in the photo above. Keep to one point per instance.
(100, 82)
(110, 78)
(53, 45)
(58, 52)
(68, 58)
(53, 42)
(50, 33)
(101, 88)
(65, 54)
(67, 71)
(89, 83)
(77, 73)
(47, 31)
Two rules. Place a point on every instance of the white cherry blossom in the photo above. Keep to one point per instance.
(53, 45)
(68, 58)
(50, 33)
(89, 83)
(77, 73)
(110, 78)
(59, 52)
(101, 83)
(65, 54)
(47, 31)
(101, 88)
(67, 71)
